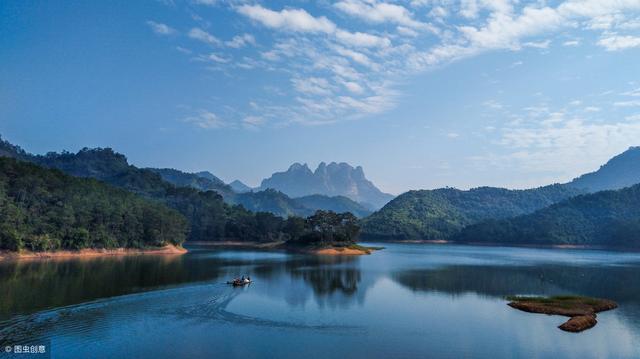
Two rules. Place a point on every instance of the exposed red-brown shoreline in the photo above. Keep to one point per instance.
(84, 253)
(329, 251)
(341, 251)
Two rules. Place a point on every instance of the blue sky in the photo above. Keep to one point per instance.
(422, 93)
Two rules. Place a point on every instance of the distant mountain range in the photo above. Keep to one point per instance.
(334, 179)
(113, 168)
(268, 200)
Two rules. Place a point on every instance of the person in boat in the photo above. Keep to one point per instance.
(247, 280)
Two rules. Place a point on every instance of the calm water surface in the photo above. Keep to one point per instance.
(407, 301)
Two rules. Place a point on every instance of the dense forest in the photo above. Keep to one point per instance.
(324, 228)
(209, 217)
(607, 218)
(43, 209)
(442, 213)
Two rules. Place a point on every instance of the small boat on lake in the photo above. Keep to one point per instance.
(240, 282)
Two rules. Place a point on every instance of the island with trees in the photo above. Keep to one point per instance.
(326, 233)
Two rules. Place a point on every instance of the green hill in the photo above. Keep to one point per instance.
(209, 217)
(607, 218)
(621, 171)
(442, 213)
(43, 209)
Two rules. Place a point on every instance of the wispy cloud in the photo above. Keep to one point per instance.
(241, 41)
(205, 119)
(161, 29)
(201, 35)
(382, 12)
(288, 19)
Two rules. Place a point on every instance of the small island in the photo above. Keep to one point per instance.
(581, 310)
(325, 233)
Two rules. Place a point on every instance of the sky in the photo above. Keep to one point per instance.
(422, 94)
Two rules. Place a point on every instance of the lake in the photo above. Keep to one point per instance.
(406, 301)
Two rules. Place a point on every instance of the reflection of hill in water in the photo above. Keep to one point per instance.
(620, 283)
(327, 281)
(330, 281)
(26, 286)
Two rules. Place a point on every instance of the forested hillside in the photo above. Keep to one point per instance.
(209, 217)
(439, 214)
(43, 209)
(607, 218)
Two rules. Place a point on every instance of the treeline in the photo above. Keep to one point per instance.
(45, 210)
(324, 228)
(443, 213)
(607, 218)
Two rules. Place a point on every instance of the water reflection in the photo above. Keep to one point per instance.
(26, 286)
(405, 301)
(620, 283)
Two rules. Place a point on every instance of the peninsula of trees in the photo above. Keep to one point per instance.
(47, 210)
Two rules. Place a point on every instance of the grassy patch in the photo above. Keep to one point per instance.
(560, 299)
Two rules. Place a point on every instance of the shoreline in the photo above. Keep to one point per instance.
(341, 251)
(512, 245)
(274, 246)
(237, 244)
(84, 253)
(352, 250)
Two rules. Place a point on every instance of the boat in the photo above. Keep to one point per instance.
(239, 282)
